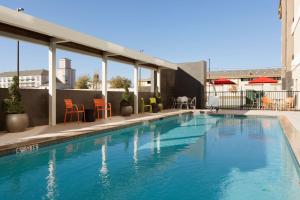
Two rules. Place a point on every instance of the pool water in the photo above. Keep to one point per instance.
(184, 157)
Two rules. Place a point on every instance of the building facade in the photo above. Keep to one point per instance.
(241, 79)
(289, 13)
(66, 77)
(28, 78)
(65, 74)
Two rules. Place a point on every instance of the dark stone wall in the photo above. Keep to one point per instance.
(167, 84)
(36, 103)
(189, 80)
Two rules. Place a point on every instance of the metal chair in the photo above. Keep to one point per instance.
(71, 109)
(192, 103)
(99, 106)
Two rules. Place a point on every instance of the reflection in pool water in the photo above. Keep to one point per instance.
(185, 157)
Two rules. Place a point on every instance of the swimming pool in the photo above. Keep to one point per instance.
(182, 157)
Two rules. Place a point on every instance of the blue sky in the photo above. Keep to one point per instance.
(235, 34)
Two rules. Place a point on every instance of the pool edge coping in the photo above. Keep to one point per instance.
(43, 142)
(292, 135)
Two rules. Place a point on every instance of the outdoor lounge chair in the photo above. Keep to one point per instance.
(71, 109)
(99, 106)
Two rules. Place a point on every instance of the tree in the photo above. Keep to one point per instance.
(83, 82)
(120, 82)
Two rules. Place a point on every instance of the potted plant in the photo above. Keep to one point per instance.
(125, 107)
(16, 118)
(157, 96)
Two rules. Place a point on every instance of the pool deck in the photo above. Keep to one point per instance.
(45, 135)
(290, 122)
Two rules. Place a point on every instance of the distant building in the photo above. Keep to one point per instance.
(28, 78)
(65, 73)
(66, 77)
(242, 78)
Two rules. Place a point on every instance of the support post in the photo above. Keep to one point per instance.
(104, 83)
(153, 80)
(52, 84)
(136, 88)
(158, 78)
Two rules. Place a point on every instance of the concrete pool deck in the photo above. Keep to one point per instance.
(45, 135)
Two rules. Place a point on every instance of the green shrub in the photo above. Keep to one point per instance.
(13, 104)
(126, 96)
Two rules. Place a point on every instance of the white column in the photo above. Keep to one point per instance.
(136, 88)
(52, 84)
(104, 82)
(158, 73)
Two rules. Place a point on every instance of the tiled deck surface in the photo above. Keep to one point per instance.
(47, 134)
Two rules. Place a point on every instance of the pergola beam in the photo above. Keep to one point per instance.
(141, 63)
(109, 54)
(59, 41)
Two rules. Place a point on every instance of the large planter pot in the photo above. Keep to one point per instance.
(126, 110)
(17, 122)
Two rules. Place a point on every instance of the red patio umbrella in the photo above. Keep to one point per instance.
(263, 80)
(223, 81)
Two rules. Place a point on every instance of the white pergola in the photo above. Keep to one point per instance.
(21, 26)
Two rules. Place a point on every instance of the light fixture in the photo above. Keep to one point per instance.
(20, 9)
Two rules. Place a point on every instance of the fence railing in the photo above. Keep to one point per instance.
(258, 100)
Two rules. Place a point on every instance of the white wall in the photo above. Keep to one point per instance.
(295, 29)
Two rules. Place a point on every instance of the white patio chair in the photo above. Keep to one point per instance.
(192, 103)
(184, 101)
(175, 103)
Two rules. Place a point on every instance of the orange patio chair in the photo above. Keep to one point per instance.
(267, 103)
(99, 106)
(72, 109)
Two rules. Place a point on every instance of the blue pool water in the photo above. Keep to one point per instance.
(185, 157)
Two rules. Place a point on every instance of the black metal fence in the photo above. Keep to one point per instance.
(257, 100)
